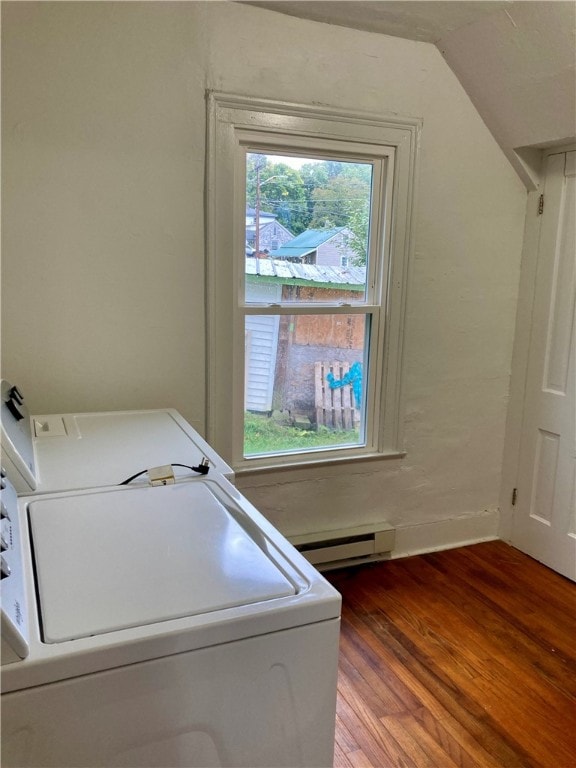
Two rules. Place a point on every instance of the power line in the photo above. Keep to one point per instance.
(305, 204)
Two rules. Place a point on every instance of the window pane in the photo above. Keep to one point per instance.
(305, 382)
(307, 225)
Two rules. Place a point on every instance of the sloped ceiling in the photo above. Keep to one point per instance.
(515, 58)
(425, 21)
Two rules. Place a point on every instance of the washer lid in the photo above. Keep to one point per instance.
(108, 560)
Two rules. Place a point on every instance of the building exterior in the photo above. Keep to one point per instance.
(272, 234)
(281, 351)
(323, 247)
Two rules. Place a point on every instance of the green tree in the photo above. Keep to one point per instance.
(282, 191)
(357, 240)
(345, 202)
(321, 195)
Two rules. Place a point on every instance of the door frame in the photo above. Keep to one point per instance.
(521, 351)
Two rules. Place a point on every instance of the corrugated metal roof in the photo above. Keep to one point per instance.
(290, 272)
(306, 242)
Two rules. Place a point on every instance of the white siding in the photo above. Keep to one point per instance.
(261, 347)
(330, 253)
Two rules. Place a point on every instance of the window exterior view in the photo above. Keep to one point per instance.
(304, 372)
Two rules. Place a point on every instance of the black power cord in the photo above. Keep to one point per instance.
(203, 468)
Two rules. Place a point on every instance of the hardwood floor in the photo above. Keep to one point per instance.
(459, 658)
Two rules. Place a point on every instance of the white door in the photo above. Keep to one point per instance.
(545, 517)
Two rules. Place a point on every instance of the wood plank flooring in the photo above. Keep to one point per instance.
(459, 658)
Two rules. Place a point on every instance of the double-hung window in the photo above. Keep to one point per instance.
(305, 337)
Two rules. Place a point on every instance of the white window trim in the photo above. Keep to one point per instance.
(235, 119)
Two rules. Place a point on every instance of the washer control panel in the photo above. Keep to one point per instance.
(16, 438)
(14, 615)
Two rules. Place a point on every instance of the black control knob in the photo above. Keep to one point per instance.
(14, 410)
(4, 511)
(15, 394)
(3, 543)
(4, 568)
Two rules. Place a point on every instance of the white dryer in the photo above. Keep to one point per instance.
(57, 452)
(162, 626)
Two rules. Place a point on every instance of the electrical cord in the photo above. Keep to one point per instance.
(203, 468)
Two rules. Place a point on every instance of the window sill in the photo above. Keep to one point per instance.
(267, 464)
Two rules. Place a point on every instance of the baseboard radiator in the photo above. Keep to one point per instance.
(348, 546)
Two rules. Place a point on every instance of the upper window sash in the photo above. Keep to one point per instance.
(380, 157)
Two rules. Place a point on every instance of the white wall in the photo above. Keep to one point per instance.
(518, 67)
(103, 259)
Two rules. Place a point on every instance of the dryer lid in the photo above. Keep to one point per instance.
(76, 451)
(109, 560)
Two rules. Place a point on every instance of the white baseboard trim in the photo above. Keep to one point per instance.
(446, 534)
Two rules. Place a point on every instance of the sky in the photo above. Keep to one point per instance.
(293, 162)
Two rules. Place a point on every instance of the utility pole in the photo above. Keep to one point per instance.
(259, 165)
(257, 211)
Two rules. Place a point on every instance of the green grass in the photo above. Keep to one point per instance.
(263, 435)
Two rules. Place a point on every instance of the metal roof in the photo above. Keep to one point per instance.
(266, 214)
(306, 242)
(271, 223)
(280, 270)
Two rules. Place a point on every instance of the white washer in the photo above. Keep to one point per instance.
(61, 452)
(163, 626)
